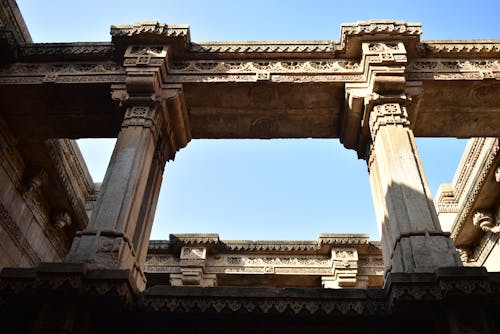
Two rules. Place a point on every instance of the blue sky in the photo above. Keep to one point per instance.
(265, 189)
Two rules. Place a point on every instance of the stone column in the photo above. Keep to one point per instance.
(411, 234)
(118, 232)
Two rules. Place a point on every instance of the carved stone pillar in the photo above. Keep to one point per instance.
(377, 123)
(411, 234)
(120, 225)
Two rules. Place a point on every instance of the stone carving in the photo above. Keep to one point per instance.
(152, 28)
(193, 253)
(63, 68)
(373, 27)
(146, 117)
(227, 67)
(268, 260)
(421, 65)
(12, 229)
(76, 182)
(451, 69)
(61, 220)
(388, 114)
(493, 146)
(263, 47)
(270, 305)
(33, 178)
(66, 50)
(485, 220)
(38, 73)
(447, 47)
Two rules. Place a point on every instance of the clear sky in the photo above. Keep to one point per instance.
(265, 189)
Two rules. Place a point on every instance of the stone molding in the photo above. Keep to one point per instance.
(454, 48)
(201, 259)
(73, 174)
(12, 229)
(472, 173)
(212, 241)
(66, 51)
(352, 35)
(11, 18)
(264, 47)
(385, 114)
(151, 27)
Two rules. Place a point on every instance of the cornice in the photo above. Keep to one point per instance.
(212, 240)
(150, 27)
(262, 49)
(353, 34)
(454, 48)
(67, 51)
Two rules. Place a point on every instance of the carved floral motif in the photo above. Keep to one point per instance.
(226, 67)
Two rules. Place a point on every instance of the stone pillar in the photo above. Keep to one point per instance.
(118, 232)
(412, 238)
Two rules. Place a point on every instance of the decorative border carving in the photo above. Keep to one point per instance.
(479, 180)
(270, 66)
(264, 47)
(460, 47)
(66, 50)
(453, 69)
(38, 73)
(76, 181)
(373, 27)
(270, 305)
(150, 27)
(12, 229)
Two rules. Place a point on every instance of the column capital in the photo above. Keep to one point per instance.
(384, 62)
(393, 114)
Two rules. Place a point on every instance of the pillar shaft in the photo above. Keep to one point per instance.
(112, 236)
(411, 234)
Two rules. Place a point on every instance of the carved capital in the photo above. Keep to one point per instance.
(393, 114)
(143, 116)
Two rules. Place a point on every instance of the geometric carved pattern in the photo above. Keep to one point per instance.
(388, 114)
(12, 229)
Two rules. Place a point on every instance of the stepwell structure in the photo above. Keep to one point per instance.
(75, 256)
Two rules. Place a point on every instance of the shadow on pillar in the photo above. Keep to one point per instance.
(411, 235)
